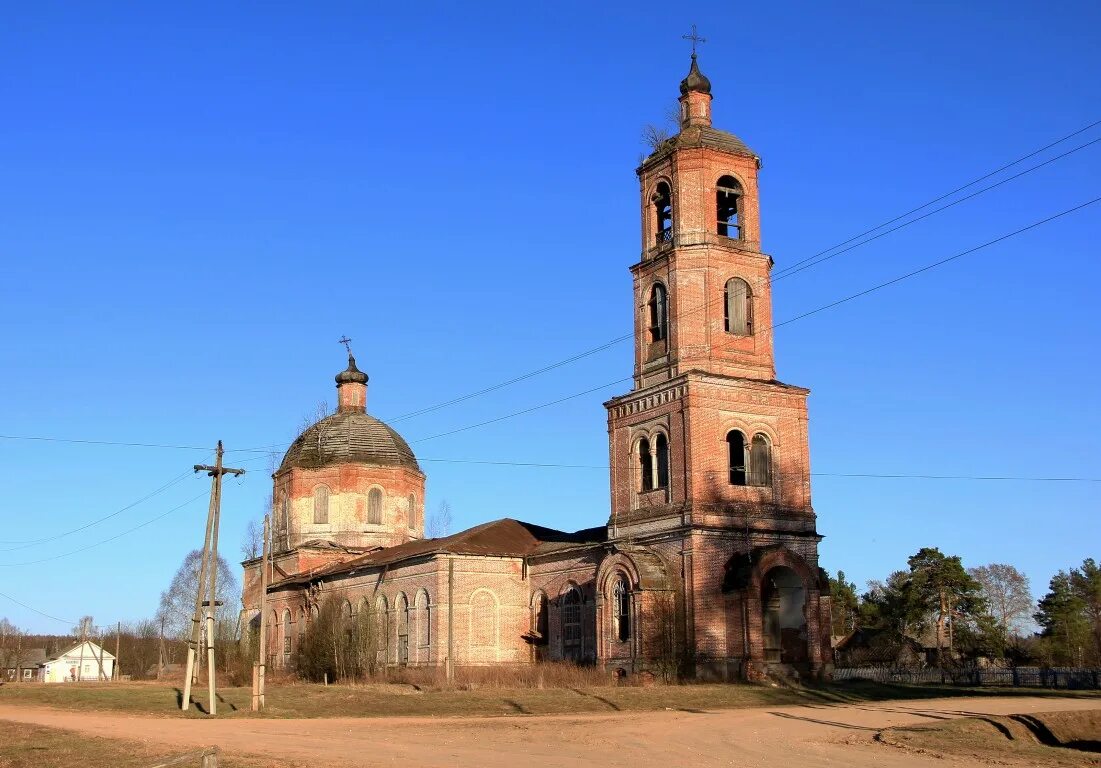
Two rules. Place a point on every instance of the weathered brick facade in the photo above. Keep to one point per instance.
(709, 560)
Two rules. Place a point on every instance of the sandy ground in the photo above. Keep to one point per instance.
(804, 736)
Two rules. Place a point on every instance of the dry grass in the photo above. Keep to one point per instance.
(1071, 739)
(478, 695)
(35, 746)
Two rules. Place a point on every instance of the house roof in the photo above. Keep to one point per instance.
(499, 538)
(98, 651)
(28, 657)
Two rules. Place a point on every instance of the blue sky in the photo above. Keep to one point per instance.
(199, 201)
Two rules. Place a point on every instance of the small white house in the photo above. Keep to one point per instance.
(84, 661)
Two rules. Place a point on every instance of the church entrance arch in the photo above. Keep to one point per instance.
(784, 600)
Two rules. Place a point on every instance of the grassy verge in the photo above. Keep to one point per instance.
(305, 700)
(34, 746)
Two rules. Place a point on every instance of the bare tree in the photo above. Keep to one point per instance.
(319, 412)
(178, 601)
(11, 648)
(656, 134)
(439, 522)
(1008, 595)
(659, 639)
(252, 543)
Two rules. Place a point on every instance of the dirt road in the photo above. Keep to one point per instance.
(805, 737)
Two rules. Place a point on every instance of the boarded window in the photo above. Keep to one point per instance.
(659, 313)
(738, 314)
(645, 466)
(321, 505)
(412, 511)
(621, 601)
(728, 200)
(483, 620)
(374, 507)
(539, 616)
(382, 628)
(663, 212)
(661, 448)
(424, 619)
(760, 461)
(735, 442)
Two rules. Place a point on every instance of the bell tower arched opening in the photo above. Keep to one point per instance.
(784, 600)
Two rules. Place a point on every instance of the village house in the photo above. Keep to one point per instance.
(84, 661)
(709, 552)
(22, 665)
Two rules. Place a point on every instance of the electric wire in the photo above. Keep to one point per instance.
(40, 613)
(34, 542)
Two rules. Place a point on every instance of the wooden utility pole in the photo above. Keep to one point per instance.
(118, 637)
(259, 670)
(209, 567)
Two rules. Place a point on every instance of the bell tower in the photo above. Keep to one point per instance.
(709, 452)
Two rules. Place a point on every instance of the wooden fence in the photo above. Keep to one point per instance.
(1067, 678)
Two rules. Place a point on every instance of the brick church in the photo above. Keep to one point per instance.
(709, 557)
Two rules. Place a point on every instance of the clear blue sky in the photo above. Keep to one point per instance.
(198, 202)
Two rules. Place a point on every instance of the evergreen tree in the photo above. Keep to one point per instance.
(1070, 615)
(938, 586)
(844, 605)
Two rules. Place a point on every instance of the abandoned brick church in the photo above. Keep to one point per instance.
(710, 552)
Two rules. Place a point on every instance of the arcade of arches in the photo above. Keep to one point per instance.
(709, 555)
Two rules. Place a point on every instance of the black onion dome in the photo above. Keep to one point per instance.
(351, 437)
(351, 374)
(696, 81)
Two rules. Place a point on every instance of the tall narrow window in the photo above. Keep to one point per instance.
(659, 313)
(661, 448)
(728, 199)
(663, 210)
(412, 511)
(735, 442)
(645, 466)
(403, 629)
(424, 619)
(539, 616)
(571, 624)
(738, 314)
(286, 521)
(286, 632)
(621, 602)
(374, 507)
(760, 461)
(321, 505)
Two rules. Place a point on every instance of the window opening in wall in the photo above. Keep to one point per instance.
(424, 619)
(571, 625)
(728, 195)
(760, 461)
(659, 313)
(403, 630)
(663, 210)
(645, 465)
(321, 505)
(621, 599)
(662, 449)
(738, 307)
(374, 507)
(286, 633)
(286, 521)
(735, 442)
(412, 511)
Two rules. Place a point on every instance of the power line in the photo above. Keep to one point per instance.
(103, 442)
(946, 195)
(105, 541)
(795, 269)
(870, 475)
(823, 308)
(31, 543)
(40, 613)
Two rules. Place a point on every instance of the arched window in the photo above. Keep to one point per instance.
(760, 461)
(663, 211)
(424, 619)
(735, 442)
(661, 448)
(321, 505)
(412, 511)
(483, 619)
(728, 203)
(403, 628)
(539, 616)
(286, 521)
(645, 466)
(738, 312)
(286, 632)
(382, 628)
(374, 507)
(571, 624)
(621, 605)
(659, 313)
